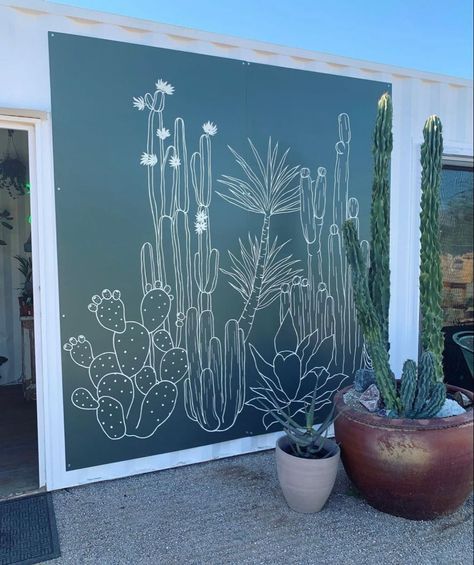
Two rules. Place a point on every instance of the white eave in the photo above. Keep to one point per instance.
(99, 24)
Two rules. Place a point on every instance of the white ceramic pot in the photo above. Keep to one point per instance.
(306, 483)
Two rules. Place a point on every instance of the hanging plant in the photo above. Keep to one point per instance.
(13, 173)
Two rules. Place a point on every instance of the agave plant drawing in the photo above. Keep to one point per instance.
(266, 190)
(288, 381)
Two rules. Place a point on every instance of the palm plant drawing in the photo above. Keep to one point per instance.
(277, 270)
(265, 190)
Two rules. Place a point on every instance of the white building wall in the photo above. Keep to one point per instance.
(24, 85)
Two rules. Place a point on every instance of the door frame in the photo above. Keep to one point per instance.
(45, 287)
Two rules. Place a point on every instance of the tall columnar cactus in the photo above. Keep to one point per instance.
(421, 393)
(206, 259)
(379, 274)
(312, 211)
(336, 286)
(368, 319)
(341, 171)
(431, 284)
(352, 327)
(181, 236)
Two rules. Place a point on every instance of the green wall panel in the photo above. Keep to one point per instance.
(201, 271)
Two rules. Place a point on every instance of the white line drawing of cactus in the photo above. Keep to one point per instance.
(312, 212)
(167, 271)
(206, 259)
(318, 308)
(135, 385)
(214, 391)
(265, 190)
(122, 378)
(169, 207)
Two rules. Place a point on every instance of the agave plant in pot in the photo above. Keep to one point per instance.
(408, 458)
(306, 459)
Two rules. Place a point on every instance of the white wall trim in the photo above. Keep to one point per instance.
(169, 460)
(32, 127)
(22, 113)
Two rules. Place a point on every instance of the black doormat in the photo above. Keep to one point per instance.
(28, 531)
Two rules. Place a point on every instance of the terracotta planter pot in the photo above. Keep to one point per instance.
(306, 483)
(417, 469)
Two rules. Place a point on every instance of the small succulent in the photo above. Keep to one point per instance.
(307, 442)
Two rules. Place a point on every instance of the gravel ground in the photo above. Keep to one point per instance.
(232, 511)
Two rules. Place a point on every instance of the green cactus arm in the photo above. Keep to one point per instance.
(431, 284)
(408, 387)
(431, 393)
(426, 378)
(367, 317)
(379, 273)
(436, 401)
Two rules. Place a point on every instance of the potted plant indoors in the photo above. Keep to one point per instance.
(25, 299)
(406, 458)
(306, 459)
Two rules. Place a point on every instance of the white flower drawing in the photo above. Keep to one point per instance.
(148, 159)
(174, 161)
(201, 216)
(200, 225)
(139, 102)
(210, 128)
(164, 87)
(163, 133)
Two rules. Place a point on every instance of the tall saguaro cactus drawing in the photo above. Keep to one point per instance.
(312, 212)
(206, 259)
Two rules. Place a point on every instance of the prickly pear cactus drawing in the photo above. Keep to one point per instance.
(171, 352)
(130, 375)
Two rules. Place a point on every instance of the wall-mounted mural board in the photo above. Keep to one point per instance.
(201, 271)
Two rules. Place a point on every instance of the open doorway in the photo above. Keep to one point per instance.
(18, 416)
